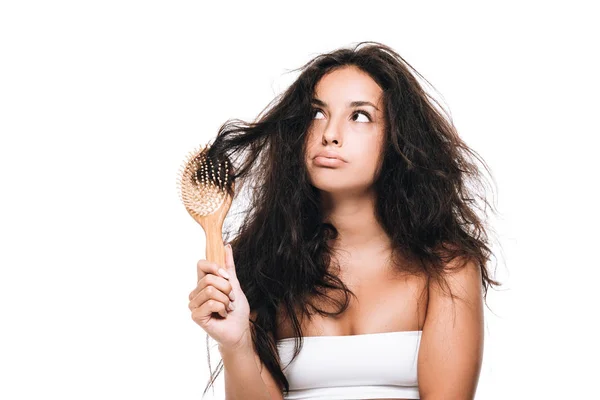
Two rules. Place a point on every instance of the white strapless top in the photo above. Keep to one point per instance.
(352, 367)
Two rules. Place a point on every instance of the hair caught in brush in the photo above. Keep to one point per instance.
(430, 191)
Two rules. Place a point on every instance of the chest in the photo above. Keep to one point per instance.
(386, 301)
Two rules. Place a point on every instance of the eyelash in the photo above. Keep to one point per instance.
(366, 114)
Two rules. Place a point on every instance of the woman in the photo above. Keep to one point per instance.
(360, 269)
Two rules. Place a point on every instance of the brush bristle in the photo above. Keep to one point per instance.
(202, 187)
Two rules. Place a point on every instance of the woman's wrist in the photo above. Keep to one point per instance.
(244, 344)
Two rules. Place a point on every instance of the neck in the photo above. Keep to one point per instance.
(354, 218)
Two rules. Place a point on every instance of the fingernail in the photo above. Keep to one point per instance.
(231, 306)
(223, 273)
(232, 296)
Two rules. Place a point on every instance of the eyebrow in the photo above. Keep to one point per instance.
(351, 104)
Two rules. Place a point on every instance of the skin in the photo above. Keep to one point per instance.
(451, 348)
(347, 194)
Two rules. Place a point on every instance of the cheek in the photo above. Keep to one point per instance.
(366, 162)
(367, 154)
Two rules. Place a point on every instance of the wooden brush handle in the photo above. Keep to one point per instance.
(215, 250)
(213, 229)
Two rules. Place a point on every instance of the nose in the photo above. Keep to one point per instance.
(331, 133)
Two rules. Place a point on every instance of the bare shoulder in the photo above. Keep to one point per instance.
(451, 350)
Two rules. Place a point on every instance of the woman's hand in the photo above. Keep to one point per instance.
(214, 297)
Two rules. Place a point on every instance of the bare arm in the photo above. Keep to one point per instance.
(245, 375)
(452, 342)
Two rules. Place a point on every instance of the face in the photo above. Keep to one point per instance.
(352, 132)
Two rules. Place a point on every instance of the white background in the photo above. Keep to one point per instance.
(100, 102)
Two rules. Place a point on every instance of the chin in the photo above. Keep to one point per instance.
(337, 186)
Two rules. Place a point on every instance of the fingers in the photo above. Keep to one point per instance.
(210, 293)
(229, 261)
(209, 307)
(206, 267)
(218, 282)
(214, 292)
(230, 265)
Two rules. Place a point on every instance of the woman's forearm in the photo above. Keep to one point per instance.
(242, 375)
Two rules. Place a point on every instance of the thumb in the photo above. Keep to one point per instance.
(229, 261)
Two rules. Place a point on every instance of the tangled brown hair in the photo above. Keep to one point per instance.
(429, 192)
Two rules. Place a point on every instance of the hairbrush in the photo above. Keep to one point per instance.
(206, 191)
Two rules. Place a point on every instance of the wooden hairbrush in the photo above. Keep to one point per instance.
(204, 188)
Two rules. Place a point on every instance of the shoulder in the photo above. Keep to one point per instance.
(460, 279)
(451, 350)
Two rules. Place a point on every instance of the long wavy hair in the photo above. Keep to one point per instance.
(430, 197)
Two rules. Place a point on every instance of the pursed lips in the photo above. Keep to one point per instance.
(330, 155)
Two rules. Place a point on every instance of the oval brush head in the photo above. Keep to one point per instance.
(204, 188)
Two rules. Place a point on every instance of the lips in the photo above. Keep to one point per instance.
(328, 159)
(330, 155)
(328, 162)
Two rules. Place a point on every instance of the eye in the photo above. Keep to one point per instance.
(364, 113)
(316, 110)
